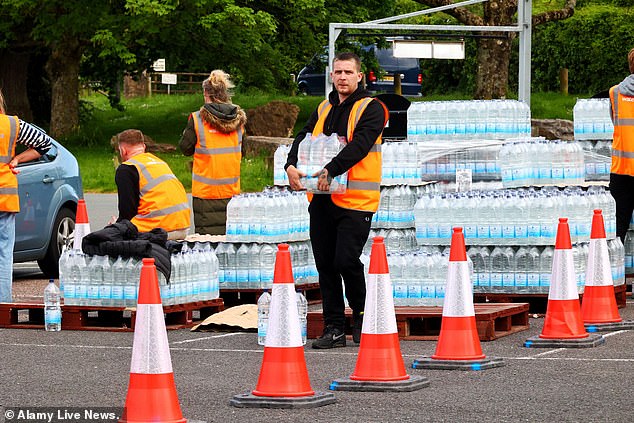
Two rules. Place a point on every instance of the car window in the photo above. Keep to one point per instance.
(49, 156)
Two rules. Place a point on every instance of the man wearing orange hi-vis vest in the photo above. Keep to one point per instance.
(150, 195)
(214, 137)
(622, 170)
(340, 223)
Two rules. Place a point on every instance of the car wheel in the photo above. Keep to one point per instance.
(62, 235)
(303, 90)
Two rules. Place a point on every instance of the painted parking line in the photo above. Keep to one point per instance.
(207, 337)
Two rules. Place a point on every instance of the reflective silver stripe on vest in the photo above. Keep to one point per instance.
(219, 150)
(201, 129)
(623, 154)
(376, 148)
(322, 107)
(240, 136)
(163, 212)
(615, 102)
(144, 171)
(156, 181)
(208, 181)
(365, 186)
(624, 122)
(361, 109)
(8, 191)
(13, 129)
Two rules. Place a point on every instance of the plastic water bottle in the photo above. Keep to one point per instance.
(302, 309)
(52, 308)
(118, 281)
(264, 303)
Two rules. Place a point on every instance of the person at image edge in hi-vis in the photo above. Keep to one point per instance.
(340, 223)
(150, 195)
(214, 136)
(622, 170)
(13, 130)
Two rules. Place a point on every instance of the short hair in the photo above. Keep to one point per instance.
(217, 86)
(630, 58)
(131, 137)
(348, 55)
(2, 104)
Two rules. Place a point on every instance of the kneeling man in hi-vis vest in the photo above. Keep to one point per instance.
(150, 195)
(340, 223)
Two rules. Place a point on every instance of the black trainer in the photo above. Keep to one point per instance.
(357, 324)
(332, 338)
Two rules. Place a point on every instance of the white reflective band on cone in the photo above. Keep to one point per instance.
(283, 330)
(150, 352)
(378, 315)
(598, 270)
(458, 300)
(563, 284)
(81, 230)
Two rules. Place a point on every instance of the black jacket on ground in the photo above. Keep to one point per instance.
(364, 136)
(123, 239)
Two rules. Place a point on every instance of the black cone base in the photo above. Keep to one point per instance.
(251, 401)
(606, 327)
(414, 383)
(593, 340)
(475, 365)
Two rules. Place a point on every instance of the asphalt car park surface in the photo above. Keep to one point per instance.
(91, 369)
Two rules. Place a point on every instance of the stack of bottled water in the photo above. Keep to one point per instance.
(466, 120)
(279, 160)
(512, 217)
(440, 164)
(528, 269)
(629, 252)
(264, 305)
(396, 240)
(597, 156)
(102, 281)
(401, 164)
(316, 152)
(271, 216)
(396, 208)
(251, 265)
(592, 119)
(541, 162)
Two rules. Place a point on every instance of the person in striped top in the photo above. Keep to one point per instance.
(13, 131)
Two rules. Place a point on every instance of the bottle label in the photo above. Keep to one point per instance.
(495, 231)
(508, 279)
(483, 231)
(521, 231)
(470, 231)
(484, 279)
(508, 231)
(521, 279)
(117, 292)
(400, 291)
(544, 279)
(534, 231)
(69, 291)
(496, 279)
(414, 291)
(52, 316)
(532, 279)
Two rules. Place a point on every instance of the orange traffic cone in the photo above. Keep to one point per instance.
(598, 308)
(82, 226)
(458, 345)
(379, 363)
(283, 381)
(152, 391)
(563, 326)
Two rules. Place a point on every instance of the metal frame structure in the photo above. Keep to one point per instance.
(523, 28)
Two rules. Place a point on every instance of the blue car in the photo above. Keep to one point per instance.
(311, 79)
(49, 189)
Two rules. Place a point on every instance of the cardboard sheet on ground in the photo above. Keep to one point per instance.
(244, 316)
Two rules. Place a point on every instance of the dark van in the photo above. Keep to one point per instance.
(311, 79)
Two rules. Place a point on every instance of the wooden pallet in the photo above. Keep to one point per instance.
(538, 302)
(233, 297)
(112, 319)
(422, 323)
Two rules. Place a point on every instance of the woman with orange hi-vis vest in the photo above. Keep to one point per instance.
(150, 195)
(13, 130)
(214, 136)
(340, 223)
(622, 170)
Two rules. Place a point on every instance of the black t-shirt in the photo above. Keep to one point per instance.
(127, 179)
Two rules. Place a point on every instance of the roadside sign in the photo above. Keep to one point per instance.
(159, 65)
(168, 78)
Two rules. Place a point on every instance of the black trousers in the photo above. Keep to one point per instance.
(338, 236)
(622, 189)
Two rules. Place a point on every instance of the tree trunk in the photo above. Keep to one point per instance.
(493, 68)
(63, 69)
(13, 78)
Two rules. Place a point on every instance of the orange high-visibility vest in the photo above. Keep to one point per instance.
(9, 129)
(623, 139)
(364, 178)
(216, 171)
(162, 199)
